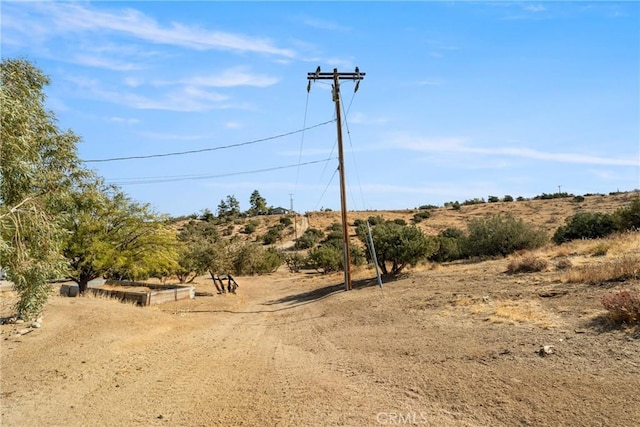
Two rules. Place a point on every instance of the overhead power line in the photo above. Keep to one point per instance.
(175, 178)
(181, 153)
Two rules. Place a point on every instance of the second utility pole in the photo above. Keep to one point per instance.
(335, 76)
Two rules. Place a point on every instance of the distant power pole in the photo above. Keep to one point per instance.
(559, 187)
(336, 76)
(295, 228)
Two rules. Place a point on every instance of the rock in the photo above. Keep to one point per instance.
(36, 325)
(24, 331)
(19, 321)
(546, 350)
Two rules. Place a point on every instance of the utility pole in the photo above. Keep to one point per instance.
(336, 76)
(295, 228)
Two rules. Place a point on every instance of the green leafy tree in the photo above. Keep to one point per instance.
(258, 204)
(397, 245)
(204, 250)
(38, 167)
(112, 236)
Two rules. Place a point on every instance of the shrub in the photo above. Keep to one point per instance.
(398, 245)
(273, 235)
(623, 307)
(629, 218)
(251, 258)
(325, 259)
(500, 235)
(294, 261)
(507, 198)
(400, 221)
(563, 264)
(448, 249)
(419, 216)
(251, 226)
(426, 207)
(309, 238)
(585, 225)
(286, 221)
(493, 199)
(578, 199)
(527, 264)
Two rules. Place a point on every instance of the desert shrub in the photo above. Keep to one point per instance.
(309, 238)
(628, 218)
(500, 235)
(400, 221)
(507, 198)
(427, 207)
(325, 259)
(448, 249)
(585, 225)
(286, 221)
(474, 201)
(375, 220)
(527, 264)
(251, 258)
(295, 261)
(623, 307)
(493, 199)
(563, 264)
(251, 226)
(520, 199)
(419, 216)
(578, 199)
(274, 233)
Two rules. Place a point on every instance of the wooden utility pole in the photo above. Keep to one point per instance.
(336, 76)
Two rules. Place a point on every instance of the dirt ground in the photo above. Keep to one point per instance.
(457, 345)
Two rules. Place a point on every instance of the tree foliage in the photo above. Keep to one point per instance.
(38, 166)
(257, 204)
(397, 245)
(112, 236)
(500, 235)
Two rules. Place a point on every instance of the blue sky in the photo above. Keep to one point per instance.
(460, 99)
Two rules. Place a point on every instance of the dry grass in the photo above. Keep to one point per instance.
(527, 264)
(610, 270)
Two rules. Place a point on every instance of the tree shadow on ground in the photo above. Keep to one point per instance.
(327, 291)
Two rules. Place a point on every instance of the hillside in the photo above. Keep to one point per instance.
(547, 214)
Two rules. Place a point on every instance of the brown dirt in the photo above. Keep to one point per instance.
(451, 345)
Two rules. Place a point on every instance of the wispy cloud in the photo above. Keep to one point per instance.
(460, 145)
(535, 8)
(58, 18)
(238, 76)
(322, 24)
(185, 98)
(124, 120)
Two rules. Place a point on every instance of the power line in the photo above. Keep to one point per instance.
(180, 153)
(175, 178)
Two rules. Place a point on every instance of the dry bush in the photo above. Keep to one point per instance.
(527, 264)
(616, 270)
(623, 307)
(563, 264)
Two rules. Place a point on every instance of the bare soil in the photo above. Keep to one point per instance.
(455, 345)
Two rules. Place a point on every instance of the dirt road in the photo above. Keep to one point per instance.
(431, 349)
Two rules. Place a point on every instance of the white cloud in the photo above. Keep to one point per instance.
(170, 137)
(323, 24)
(124, 120)
(59, 18)
(238, 76)
(535, 8)
(232, 125)
(459, 145)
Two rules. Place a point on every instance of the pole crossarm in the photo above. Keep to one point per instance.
(341, 76)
